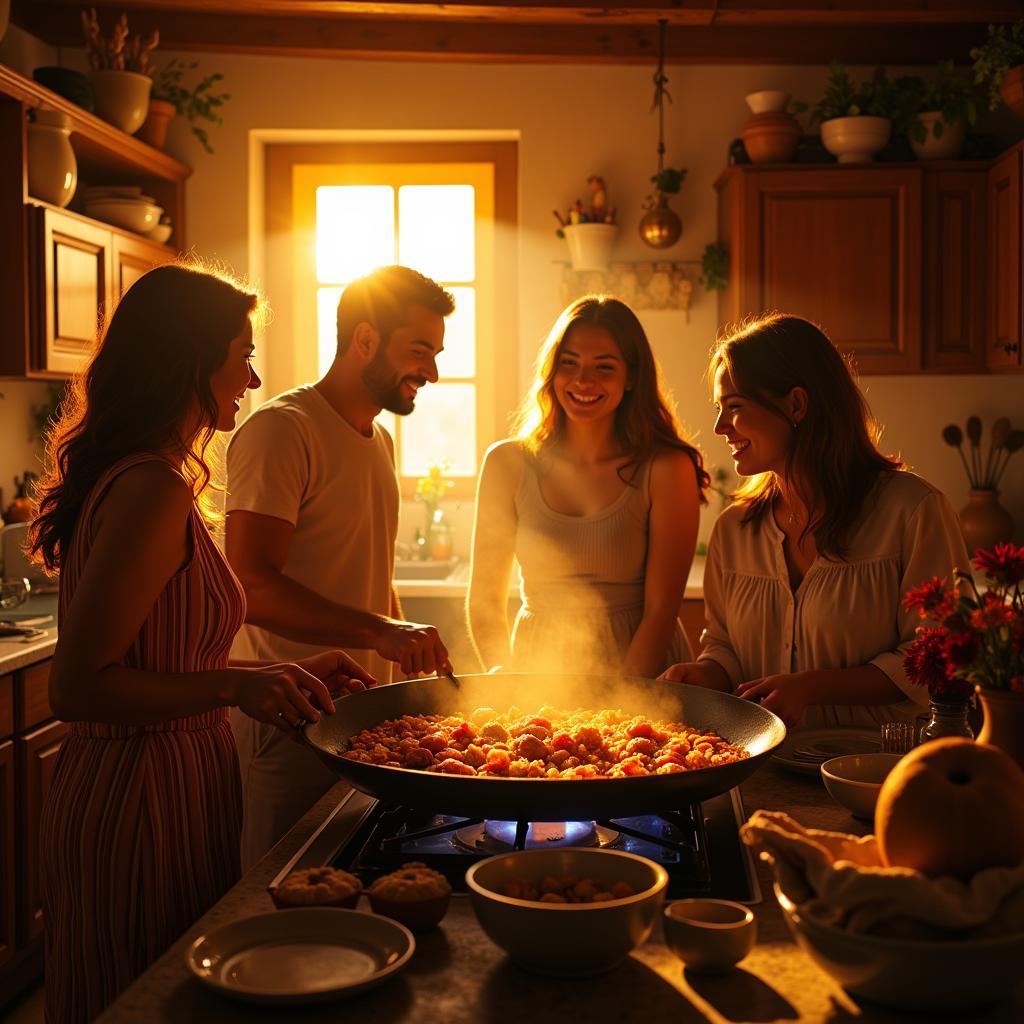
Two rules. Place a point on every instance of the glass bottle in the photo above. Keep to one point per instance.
(946, 718)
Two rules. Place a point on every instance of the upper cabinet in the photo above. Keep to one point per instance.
(910, 268)
(842, 249)
(1004, 252)
(62, 272)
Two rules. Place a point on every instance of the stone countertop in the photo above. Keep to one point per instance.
(456, 584)
(458, 976)
(17, 653)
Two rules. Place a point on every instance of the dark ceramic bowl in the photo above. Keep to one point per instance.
(72, 85)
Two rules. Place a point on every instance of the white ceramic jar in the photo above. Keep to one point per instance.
(52, 168)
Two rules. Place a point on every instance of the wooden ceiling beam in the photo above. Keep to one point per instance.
(515, 41)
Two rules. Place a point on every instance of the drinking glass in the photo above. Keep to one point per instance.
(897, 737)
(14, 592)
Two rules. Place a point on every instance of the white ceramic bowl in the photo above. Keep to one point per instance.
(131, 214)
(854, 780)
(767, 100)
(709, 935)
(855, 140)
(567, 939)
(940, 976)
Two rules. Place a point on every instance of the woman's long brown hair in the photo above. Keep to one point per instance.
(833, 461)
(148, 378)
(644, 419)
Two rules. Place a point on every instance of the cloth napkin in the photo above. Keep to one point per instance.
(839, 879)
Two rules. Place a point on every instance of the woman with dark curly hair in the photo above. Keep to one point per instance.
(597, 496)
(807, 568)
(140, 829)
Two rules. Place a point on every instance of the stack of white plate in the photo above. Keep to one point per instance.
(125, 206)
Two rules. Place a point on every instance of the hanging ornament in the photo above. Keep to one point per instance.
(661, 226)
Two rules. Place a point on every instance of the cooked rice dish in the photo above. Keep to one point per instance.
(552, 744)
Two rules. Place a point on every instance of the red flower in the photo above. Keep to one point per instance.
(959, 649)
(925, 660)
(992, 614)
(928, 598)
(1005, 564)
(1017, 684)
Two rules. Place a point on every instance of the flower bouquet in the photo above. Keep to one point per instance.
(977, 642)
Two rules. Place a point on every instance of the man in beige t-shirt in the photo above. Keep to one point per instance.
(312, 517)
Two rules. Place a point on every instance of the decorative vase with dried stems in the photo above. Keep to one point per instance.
(983, 521)
(978, 641)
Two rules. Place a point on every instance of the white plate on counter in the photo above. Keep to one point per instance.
(300, 956)
(824, 743)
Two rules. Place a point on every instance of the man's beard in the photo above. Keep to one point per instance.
(386, 389)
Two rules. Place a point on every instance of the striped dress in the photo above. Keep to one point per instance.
(140, 829)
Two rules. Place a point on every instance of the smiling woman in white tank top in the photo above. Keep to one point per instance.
(597, 496)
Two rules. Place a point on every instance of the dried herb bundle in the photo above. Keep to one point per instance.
(119, 52)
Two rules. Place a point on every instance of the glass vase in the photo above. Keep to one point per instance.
(946, 718)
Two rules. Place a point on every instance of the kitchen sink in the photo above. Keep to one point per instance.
(425, 569)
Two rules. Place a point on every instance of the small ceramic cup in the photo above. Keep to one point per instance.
(710, 936)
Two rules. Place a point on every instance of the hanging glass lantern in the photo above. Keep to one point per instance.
(661, 226)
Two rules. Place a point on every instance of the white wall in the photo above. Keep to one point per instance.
(572, 121)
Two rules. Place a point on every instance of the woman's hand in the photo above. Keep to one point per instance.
(787, 695)
(282, 696)
(339, 672)
(708, 674)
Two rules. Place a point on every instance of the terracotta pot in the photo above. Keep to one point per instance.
(771, 138)
(1004, 721)
(158, 119)
(855, 140)
(983, 521)
(1012, 89)
(947, 146)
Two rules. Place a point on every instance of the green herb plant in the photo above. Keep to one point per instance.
(669, 181)
(1001, 52)
(879, 96)
(714, 267)
(197, 103)
(951, 95)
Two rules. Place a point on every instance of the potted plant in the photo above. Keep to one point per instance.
(121, 70)
(857, 120)
(999, 62)
(978, 639)
(945, 107)
(171, 97)
(714, 267)
(661, 226)
(983, 521)
(436, 540)
(590, 230)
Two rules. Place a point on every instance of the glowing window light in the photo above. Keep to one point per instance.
(437, 230)
(355, 231)
(445, 423)
(459, 356)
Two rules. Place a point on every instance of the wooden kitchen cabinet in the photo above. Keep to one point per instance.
(36, 757)
(60, 271)
(83, 270)
(73, 288)
(27, 762)
(840, 246)
(8, 844)
(953, 314)
(1005, 285)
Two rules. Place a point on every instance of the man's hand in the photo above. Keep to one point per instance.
(696, 673)
(416, 648)
(787, 695)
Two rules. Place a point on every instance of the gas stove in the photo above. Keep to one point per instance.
(699, 846)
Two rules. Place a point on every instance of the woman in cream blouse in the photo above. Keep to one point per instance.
(807, 569)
